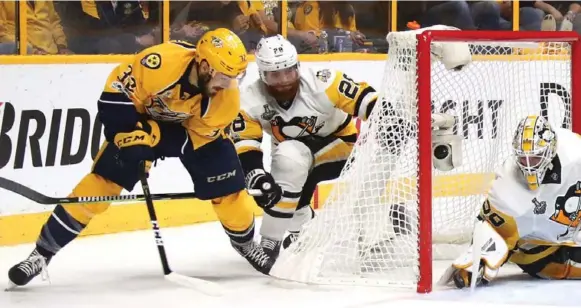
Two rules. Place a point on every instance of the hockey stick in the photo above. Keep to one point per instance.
(201, 285)
(43, 199)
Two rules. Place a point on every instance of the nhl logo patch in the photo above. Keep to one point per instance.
(308, 9)
(324, 75)
(151, 61)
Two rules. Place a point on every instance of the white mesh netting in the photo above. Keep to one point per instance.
(366, 233)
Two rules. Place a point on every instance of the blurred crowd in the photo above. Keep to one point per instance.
(125, 27)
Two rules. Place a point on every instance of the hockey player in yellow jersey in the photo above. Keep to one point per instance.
(532, 213)
(170, 100)
(308, 113)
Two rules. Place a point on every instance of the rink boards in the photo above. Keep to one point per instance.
(48, 137)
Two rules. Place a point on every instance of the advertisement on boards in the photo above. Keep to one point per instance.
(49, 131)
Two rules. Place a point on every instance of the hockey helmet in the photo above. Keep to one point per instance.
(276, 54)
(224, 52)
(534, 147)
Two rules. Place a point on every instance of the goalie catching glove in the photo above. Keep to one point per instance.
(493, 254)
(271, 192)
(137, 146)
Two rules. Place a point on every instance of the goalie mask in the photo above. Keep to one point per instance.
(534, 147)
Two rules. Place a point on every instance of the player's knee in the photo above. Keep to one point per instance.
(91, 185)
(215, 169)
(291, 163)
(108, 166)
(236, 213)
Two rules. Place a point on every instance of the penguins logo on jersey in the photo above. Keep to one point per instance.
(295, 128)
(568, 208)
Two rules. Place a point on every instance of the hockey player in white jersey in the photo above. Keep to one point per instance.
(532, 213)
(308, 113)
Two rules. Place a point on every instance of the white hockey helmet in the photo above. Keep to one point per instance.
(534, 146)
(273, 54)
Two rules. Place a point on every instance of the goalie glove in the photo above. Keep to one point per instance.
(262, 180)
(493, 254)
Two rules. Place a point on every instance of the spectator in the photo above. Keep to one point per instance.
(337, 18)
(44, 31)
(428, 13)
(248, 19)
(110, 27)
(497, 15)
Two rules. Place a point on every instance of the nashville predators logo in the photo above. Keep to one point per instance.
(217, 42)
(295, 128)
(568, 208)
(151, 61)
(158, 110)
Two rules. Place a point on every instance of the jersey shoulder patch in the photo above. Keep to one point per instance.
(151, 60)
(318, 79)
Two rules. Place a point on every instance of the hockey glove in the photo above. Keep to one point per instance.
(493, 255)
(135, 147)
(271, 192)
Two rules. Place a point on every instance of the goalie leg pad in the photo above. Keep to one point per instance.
(550, 262)
(493, 254)
(291, 163)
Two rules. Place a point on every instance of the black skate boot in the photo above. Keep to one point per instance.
(23, 272)
(255, 255)
(289, 239)
(270, 247)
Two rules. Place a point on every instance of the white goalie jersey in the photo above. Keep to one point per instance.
(325, 104)
(547, 216)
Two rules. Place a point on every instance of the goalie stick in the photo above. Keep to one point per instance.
(39, 198)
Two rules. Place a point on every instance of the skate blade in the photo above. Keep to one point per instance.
(11, 286)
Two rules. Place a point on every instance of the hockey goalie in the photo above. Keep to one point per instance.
(308, 113)
(531, 216)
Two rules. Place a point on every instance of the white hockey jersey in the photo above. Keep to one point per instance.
(547, 216)
(324, 105)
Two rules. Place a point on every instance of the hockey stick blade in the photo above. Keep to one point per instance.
(200, 285)
(43, 199)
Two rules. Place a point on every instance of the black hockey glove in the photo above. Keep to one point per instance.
(135, 147)
(271, 192)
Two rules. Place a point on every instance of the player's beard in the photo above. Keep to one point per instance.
(284, 93)
(203, 84)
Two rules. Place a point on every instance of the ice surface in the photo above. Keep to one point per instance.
(123, 270)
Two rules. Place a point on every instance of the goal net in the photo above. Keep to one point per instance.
(391, 213)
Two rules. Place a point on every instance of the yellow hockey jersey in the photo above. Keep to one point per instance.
(155, 84)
